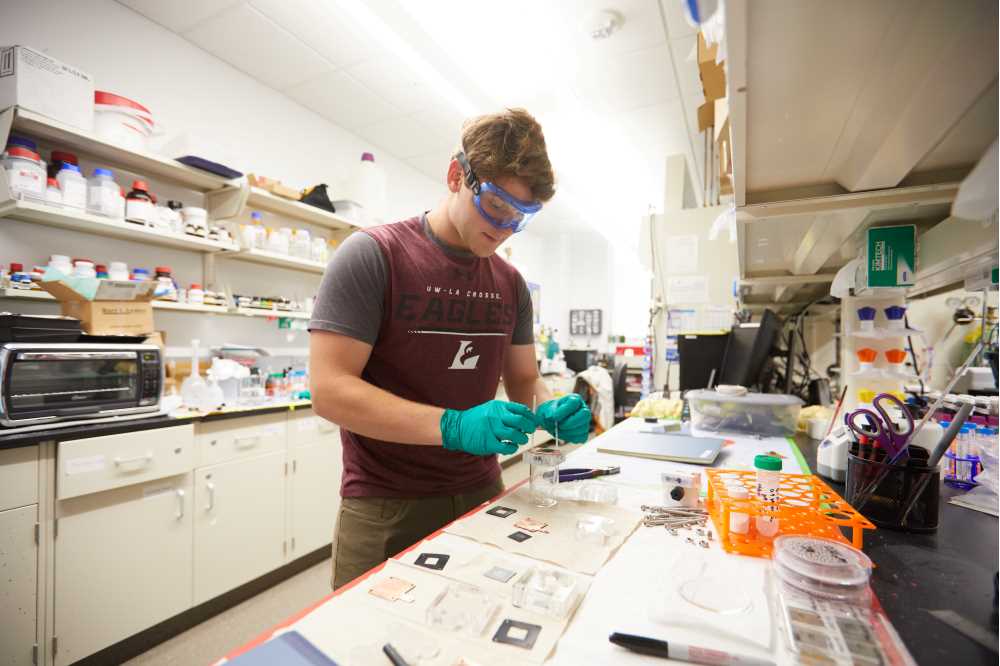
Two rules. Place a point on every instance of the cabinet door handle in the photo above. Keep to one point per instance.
(210, 487)
(144, 459)
(295, 465)
(180, 503)
(250, 442)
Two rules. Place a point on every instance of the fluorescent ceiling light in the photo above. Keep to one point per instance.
(387, 38)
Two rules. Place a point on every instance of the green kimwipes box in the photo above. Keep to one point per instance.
(891, 256)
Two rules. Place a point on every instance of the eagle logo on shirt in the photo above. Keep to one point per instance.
(466, 357)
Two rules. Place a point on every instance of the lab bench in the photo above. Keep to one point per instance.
(951, 570)
(107, 530)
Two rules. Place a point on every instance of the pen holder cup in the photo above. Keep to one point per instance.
(896, 497)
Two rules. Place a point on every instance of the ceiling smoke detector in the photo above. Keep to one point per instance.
(604, 23)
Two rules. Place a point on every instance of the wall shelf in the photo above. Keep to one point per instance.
(296, 210)
(145, 164)
(257, 312)
(77, 220)
(279, 260)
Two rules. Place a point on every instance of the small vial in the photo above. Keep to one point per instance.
(768, 482)
(543, 475)
(739, 522)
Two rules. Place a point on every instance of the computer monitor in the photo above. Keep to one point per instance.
(748, 350)
(701, 359)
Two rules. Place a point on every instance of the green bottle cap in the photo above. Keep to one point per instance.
(769, 463)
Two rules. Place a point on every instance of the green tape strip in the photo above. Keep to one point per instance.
(798, 456)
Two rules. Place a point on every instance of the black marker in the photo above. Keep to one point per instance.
(689, 653)
(394, 657)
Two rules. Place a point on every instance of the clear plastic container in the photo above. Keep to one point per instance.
(768, 483)
(103, 193)
(73, 186)
(61, 263)
(462, 608)
(596, 530)
(277, 241)
(176, 219)
(765, 414)
(546, 591)
(25, 171)
(543, 474)
(84, 269)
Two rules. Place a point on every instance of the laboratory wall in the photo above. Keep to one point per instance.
(266, 133)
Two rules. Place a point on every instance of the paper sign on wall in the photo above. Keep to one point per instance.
(682, 254)
(687, 289)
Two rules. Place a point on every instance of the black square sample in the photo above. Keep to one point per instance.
(519, 536)
(501, 511)
(517, 633)
(435, 561)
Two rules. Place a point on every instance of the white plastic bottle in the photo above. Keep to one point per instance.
(368, 189)
(103, 193)
(52, 193)
(768, 484)
(73, 186)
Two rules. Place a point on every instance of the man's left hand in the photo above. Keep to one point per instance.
(568, 417)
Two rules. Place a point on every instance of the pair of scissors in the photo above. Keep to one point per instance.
(581, 473)
(880, 427)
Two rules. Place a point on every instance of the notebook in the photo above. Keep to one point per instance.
(665, 446)
(288, 649)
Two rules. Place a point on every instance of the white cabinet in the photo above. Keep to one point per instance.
(316, 468)
(239, 522)
(18, 589)
(122, 563)
(313, 494)
(18, 477)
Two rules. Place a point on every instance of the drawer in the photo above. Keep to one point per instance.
(18, 477)
(231, 439)
(305, 427)
(93, 465)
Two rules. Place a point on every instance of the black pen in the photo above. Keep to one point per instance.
(394, 657)
(689, 653)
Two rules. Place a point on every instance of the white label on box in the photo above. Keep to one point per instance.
(85, 465)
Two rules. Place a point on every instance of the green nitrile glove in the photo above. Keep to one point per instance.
(492, 427)
(570, 413)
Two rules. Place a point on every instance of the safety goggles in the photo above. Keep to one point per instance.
(497, 206)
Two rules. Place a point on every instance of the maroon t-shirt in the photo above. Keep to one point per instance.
(447, 320)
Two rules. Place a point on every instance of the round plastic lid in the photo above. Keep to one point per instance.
(103, 172)
(66, 166)
(162, 269)
(545, 456)
(63, 156)
(16, 267)
(367, 157)
(768, 463)
(256, 216)
(24, 142)
(825, 562)
(18, 151)
(52, 182)
(195, 285)
(140, 185)
(140, 271)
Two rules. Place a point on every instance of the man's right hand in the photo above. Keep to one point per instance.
(492, 427)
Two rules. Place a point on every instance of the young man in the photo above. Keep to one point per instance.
(414, 326)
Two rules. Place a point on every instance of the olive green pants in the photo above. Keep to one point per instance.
(370, 530)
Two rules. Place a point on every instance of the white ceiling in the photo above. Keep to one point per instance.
(612, 109)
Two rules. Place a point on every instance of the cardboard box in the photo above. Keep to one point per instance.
(713, 76)
(706, 116)
(35, 81)
(118, 308)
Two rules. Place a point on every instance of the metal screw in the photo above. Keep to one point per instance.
(703, 543)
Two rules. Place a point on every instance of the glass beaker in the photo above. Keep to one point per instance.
(543, 465)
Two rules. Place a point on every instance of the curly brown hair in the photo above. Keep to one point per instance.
(510, 143)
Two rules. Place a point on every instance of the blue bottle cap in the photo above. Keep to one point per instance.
(23, 142)
(66, 166)
(103, 172)
(895, 312)
(255, 215)
(866, 313)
